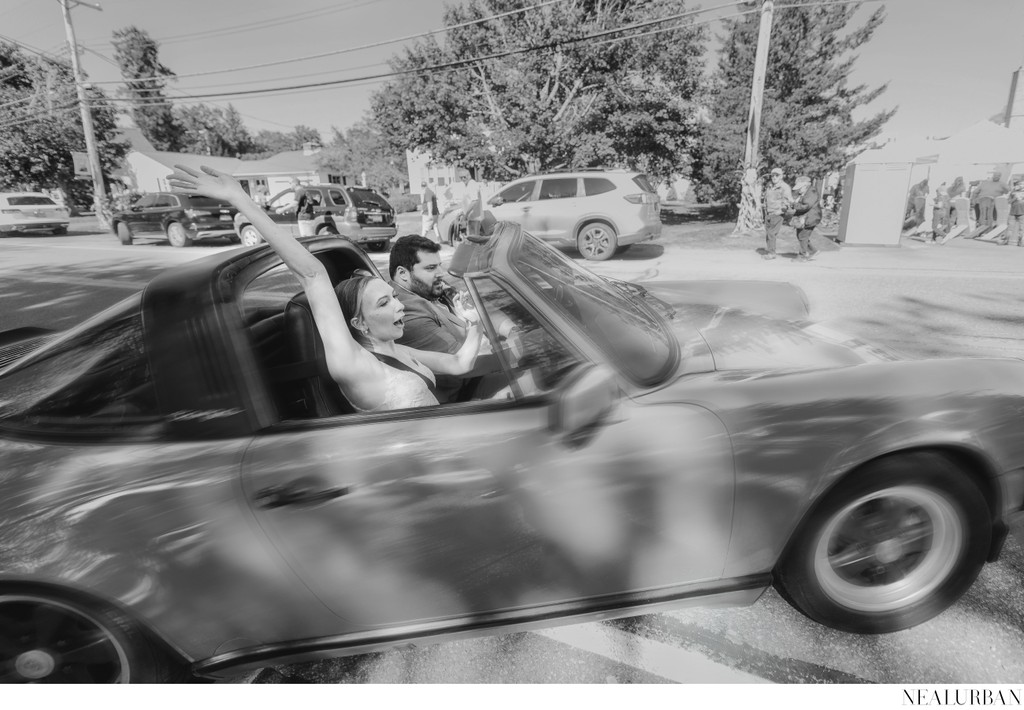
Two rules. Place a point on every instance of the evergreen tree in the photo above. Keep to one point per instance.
(565, 102)
(807, 125)
(145, 80)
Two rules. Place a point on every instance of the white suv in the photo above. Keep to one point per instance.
(600, 212)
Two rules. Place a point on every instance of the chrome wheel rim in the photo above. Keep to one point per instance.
(596, 241)
(250, 236)
(176, 234)
(889, 549)
(45, 641)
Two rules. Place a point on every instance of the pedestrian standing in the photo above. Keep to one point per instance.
(806, 216)
(429, 211)
(940, 213)
(778, 197)
(1015, 227)
(468, 195)
(985, 195)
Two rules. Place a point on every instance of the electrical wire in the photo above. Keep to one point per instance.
(355, 49)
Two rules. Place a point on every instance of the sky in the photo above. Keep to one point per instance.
(948, 63)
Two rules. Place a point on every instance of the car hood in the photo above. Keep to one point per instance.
(737, 338)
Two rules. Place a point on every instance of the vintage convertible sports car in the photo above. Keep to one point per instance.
(184, 492)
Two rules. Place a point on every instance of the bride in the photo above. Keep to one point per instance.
(358, 322)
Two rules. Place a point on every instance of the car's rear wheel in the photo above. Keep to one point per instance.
(597, 241)
(250, 236)
(325, 229)
(51, 639)
(177, 235)
(124, 233)
(890, 547)
(60, 230)
(377, 246)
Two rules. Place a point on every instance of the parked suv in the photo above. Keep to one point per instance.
(180, 217)
(358, 213)
(600, 212)
(31, 212)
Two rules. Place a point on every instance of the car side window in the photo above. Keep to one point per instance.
(337, 197)
(282, 199)
(146, 201)
(101, 375)
(165, 201)
(597, 186)
(557, 188)
(520, 192)
(538, 359)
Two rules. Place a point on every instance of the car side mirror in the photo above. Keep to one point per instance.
(497, 201)
(582, 404)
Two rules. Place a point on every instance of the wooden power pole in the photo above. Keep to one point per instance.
(98, 190)
(750, 213)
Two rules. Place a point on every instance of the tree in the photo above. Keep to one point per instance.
(145, 80)
(806, 121)
(362, 150)
(565, 102)
(210, 130)
(266, 143)
(40, 126)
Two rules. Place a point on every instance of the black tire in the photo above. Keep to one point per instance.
(124, 233)
(177, 235)
(893, 545)
(376, 246)
(597, 241)
(325, 229)
(57, 231)
(56, 639)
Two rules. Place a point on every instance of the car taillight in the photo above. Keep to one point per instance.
(642, 198)
(192, 214)
(352, 214)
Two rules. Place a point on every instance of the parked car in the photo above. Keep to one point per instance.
(359, 213)
(26, 212)
(599, 212)
(179, 217)
(185, 489)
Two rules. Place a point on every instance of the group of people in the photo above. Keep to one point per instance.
(982, 201)
(388, 344)
(464, 194)
(798, 206)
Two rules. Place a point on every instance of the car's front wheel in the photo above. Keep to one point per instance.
(597, 241)
(177, 235)
(124, 233)
(56, 640)
(250, 236)
(57, 231)
(890, 547)
(377, 246)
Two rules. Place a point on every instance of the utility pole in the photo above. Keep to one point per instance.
(750, 212)
(98, 190)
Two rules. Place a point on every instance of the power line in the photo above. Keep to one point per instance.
(463, 62)
(353, 49)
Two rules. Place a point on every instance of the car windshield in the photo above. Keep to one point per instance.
(621, 325)
(367, 198)
(29, 200)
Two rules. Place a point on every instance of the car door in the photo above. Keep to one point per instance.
(166, 208)
(556, 209)
(479, 507)
(282, 209)
(513, 203)
(138, 215)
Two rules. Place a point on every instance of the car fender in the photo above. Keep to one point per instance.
(588, 219)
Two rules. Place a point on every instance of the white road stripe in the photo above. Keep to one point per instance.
(669, 662)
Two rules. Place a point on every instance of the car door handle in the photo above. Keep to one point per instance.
(308, 490)
(526, 209)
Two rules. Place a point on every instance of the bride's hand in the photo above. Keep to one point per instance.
(208, 182)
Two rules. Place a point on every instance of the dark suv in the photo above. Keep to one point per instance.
(179, 217)
(358, 213)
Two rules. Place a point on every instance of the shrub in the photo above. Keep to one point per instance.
(404, 203)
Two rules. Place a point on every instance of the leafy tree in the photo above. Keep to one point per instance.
(566, 102)
(363, 150)
(266, 143)
(211, 130)
(806, 119)
(145, 80)
(40, 126)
